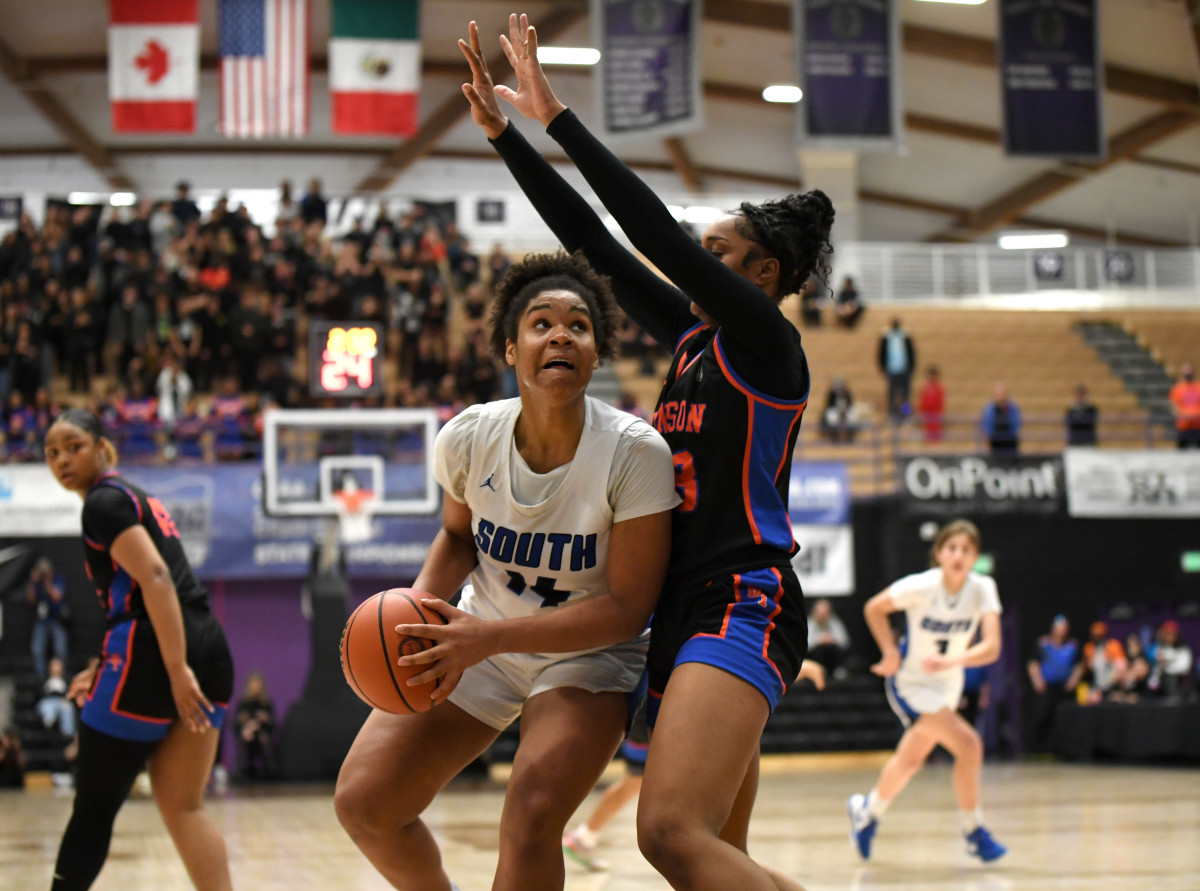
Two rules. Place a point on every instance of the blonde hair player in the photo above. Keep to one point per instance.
(944, 607)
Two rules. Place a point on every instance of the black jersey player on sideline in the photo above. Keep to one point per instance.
(159, 691)
(729, 632)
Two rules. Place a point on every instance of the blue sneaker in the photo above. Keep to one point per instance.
(862, 825)
(981, 844)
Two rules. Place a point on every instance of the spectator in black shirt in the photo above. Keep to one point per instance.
(128, 331)
(183, 208)
(255, 726)
(313, 208)
(849, 306)
(24, 363)
(80, 340)
(1081, 419)
(248, 328)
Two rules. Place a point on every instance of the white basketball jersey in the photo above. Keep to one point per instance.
(939, 622)
(541, 556)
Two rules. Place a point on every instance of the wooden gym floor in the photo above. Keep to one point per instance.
(1068, 827)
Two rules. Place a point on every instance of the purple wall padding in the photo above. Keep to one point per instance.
(267, 633)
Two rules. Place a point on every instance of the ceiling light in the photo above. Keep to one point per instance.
(1017, 241)
(782, 93)
(122, 199)
(568, 55)
(960, 2)
(701, 214)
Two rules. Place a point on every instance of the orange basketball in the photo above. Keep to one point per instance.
(371, 646)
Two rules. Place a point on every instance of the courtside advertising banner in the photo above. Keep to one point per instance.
(649, 78)
(819, 507)
(848, 54)
(1052, 78)
(970, 485)
(153, 65)
(1132, 484)
(218, 512)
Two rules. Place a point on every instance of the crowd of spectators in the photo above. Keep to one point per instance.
(1146, 663)
(180, 328)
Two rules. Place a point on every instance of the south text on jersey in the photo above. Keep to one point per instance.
(938, 626)
(506, 545)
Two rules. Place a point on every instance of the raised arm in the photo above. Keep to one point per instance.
(651, 302)
(737, 305)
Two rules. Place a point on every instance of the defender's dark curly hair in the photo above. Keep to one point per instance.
(554, 272)
(794, 230)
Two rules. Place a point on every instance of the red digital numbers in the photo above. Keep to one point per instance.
(349, 356)
(165, 524)
(685, 480)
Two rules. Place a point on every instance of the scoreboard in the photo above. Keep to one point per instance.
(345, 359)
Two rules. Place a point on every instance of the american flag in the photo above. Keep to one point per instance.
(264, 67)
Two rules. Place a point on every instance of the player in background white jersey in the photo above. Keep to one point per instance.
(944, 607)
(558, 507)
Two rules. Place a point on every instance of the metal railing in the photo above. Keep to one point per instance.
(1079, 276)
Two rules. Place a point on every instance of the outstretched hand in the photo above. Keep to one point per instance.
(533, 97)
(462, 642)
(485, 110)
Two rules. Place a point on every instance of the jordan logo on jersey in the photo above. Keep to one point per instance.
(504, 545)
(677, 416)
(488, 482)
(939, 627)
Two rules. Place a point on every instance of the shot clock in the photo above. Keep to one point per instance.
(345, 359)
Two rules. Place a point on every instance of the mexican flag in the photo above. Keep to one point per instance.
(153, 65)
(375, 66)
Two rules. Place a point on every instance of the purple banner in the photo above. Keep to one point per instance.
(1052, 78)
(849, 72)
(649, 81)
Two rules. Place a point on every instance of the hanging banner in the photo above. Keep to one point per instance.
(848, 54)
(649, 78)
(1052, 78)
(153, 65)
(1132, 484)
(375, 66)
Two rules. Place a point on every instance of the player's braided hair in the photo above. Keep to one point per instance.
(554, 272)
(794, 230)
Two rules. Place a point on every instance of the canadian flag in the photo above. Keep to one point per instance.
(153, 65)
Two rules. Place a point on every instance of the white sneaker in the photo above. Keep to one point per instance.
(584, 855)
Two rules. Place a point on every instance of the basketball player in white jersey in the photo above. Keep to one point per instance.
(557, 506)
(944, 607)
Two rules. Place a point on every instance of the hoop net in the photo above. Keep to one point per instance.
(355, 508)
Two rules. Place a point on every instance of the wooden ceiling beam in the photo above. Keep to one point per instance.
(955, 212)
(1012, 205)
(448, 115)
(681, 163)
(82, 143)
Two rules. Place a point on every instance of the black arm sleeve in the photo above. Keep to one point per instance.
(654, 304)
(753, 329)
(107, 512)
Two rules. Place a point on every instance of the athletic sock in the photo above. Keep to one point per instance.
(586, 836)
(970, 820)
(877, 806)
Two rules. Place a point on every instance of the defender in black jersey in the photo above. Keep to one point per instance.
(730, 620)
(160, 688)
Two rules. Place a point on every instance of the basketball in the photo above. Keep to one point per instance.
(371, 647)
